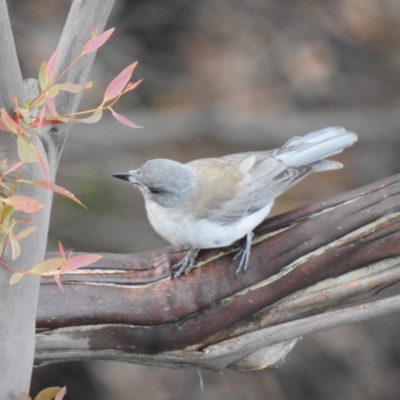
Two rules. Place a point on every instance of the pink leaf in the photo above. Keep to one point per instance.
(39, 123)
(118, 84)
(133, 85)
(51, 65)
(51, 105)
(97, 41)
(61, 250)
(42, 163)
(80, 261)
(3, 126)
(15, 167)
(71, 87)
(124, 120)
(50, 120)
(23, 203)
(57, 280)
(60, 395)
(10, 124)
(53, 187)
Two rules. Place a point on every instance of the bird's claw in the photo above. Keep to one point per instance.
(186, 264)
(243, 254)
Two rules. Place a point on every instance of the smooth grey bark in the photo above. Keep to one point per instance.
(18, 303)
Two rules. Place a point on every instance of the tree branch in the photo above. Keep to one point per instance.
(127, 308)
(10, 76)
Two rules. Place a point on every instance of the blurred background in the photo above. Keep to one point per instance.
(222, 77)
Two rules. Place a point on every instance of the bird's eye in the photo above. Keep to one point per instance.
(155, 190)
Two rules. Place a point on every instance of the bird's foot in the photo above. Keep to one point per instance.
(243, 254)
(186, 264)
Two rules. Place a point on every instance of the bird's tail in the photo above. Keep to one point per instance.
(312, 149)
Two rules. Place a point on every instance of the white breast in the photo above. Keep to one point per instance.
(203, 234)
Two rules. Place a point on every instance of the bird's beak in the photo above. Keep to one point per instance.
(124, 175)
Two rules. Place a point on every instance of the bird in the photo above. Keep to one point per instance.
(214, 202)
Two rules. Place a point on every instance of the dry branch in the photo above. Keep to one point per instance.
(302, 263)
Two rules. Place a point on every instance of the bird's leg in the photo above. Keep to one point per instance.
(244, 254)
(186, 264)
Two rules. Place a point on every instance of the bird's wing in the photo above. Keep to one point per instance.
(269, 176)
(223, 192)
(235, 186)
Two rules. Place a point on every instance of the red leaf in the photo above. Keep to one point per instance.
(80, 261)
(23, 203)
(39, 122)
(97, 41)
(50, 120)
(124, 120)
(51, 65)
(117, 85)
(55, 188)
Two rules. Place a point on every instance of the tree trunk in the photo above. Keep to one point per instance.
(18, 303)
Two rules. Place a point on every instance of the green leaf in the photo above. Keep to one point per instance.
(95, 117)
(15, 246)
(46, 266)
(42, 75)
(48, 393)
(26, 232)
(8, 212)
(26, 151)
(53, 91)
(15, 278)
